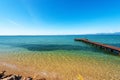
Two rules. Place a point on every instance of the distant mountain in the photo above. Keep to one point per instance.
(118, 33)
(115, 33)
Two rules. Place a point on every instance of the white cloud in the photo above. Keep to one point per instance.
(13, 22)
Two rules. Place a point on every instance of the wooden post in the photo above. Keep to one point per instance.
(111, 50)
(119, 53)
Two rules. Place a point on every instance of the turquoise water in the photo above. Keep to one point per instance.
(52, 43)
(55, 43)
(58, 51)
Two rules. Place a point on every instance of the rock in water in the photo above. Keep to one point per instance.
(29, 78)
(5, 76)
(9, 78)
(2, 74)
(13, 77)
(18, 77)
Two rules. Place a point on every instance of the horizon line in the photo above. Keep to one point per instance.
(63, 34)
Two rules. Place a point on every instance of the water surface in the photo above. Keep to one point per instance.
(60, 57)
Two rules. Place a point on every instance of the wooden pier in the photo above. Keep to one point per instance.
(112, 49)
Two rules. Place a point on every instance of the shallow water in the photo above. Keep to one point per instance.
(59, 57)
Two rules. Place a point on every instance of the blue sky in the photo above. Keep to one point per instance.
(59, 17)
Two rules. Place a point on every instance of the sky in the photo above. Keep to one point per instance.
(59, 17)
